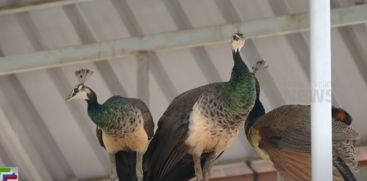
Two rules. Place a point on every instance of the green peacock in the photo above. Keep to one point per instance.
(200, 124)
(123, 124)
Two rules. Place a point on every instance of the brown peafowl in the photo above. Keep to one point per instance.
(123, 125)
(200, 124)
(283, 138)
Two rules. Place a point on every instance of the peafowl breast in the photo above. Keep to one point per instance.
(283, 138)
(200, 124)
(123, 124)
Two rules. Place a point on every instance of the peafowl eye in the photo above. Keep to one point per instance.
(79, 92)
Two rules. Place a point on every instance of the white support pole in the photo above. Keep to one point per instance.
(321, 133)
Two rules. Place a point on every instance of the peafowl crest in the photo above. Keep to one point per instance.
(83, 75)
(260, 65)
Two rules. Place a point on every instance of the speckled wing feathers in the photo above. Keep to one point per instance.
(148, 119)
(285, 131)
(289, 128)
(167, 149)
(130, 107)
(126, 160)
(346, 151)
(293, 165)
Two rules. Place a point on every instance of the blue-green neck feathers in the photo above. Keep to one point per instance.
(94, 109)
(109, 114)
(241, 85)
(240, 71)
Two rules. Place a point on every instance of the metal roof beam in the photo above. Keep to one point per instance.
(155, 67)
(39, 43)
(298, 44)
(270, 88)
(200, 55)
(355, 43)
(87, 36)
(38, 5)
(272, 26)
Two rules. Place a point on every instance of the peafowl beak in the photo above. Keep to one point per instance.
(72, 95)
(79, 92)
(70, 98)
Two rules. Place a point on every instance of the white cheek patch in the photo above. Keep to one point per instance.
(81, 95)
(238, 44)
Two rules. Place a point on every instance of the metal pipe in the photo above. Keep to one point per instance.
(26, 7)
(104, 50)
(321, 131)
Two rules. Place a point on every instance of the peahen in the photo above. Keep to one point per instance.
(200, 124)
(283, 138)
(123, 125)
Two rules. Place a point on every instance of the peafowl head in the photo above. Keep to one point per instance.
(341, 115)
(238, 41)
(81, 91)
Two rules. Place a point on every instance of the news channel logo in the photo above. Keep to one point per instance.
(9, 174)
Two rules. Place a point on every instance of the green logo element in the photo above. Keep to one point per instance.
(9, 174)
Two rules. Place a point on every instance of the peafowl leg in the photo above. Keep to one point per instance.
(208, 166)
(197, 166)
(113, 172)
(139, 166)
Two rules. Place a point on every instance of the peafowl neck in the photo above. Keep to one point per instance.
(94, 108)
(240, 72)
(241, 87)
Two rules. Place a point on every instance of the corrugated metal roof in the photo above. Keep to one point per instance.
(61, 135)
